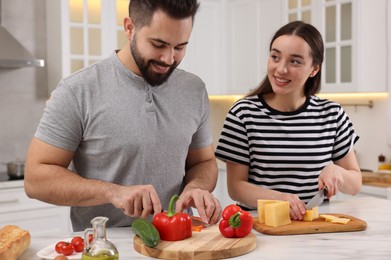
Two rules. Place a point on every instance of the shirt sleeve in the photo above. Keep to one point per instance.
(61, 123)
(345, 138)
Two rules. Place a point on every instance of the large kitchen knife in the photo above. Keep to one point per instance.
(317, 199)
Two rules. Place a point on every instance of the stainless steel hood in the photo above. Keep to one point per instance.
(13, 54)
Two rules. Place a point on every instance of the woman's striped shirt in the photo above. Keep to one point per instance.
(286, 151)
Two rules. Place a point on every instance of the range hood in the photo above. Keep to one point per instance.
(13, 54)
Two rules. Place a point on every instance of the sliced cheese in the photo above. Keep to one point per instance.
(334, 219)
(261, 209)
(277, 214)
(328, 218)
(340, 220)
(311, 214)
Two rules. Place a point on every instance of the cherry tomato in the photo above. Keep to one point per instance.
(67, 249)
(59, 246)
(78, 244)
(90, 238)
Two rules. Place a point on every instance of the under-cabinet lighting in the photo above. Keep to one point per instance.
(361, 95)
(366, 95)
(225, 97)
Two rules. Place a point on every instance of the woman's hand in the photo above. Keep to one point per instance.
(297, 207)
(332, 178)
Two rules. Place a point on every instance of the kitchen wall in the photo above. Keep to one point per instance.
(23, 93)
(369, 123)
(22, 90)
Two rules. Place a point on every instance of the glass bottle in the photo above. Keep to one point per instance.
(99, 248)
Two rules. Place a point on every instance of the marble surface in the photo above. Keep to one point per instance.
(372, 243)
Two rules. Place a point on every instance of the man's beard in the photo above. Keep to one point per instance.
(145, 67)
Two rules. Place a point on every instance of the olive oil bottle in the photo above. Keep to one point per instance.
(99, 248)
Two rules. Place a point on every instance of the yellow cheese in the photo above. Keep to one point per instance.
(261, 209)
(334, 219)
(328, 218)
(340, 220)
(311, 214)
(277, 214)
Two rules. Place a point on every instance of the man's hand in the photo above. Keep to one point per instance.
(207, 205)
(137, 201)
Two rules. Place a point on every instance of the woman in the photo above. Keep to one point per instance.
(282, 142)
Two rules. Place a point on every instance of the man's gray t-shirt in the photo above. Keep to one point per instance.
(124, 131)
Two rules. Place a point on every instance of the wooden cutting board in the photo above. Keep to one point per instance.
(207, 244)
(310, 227)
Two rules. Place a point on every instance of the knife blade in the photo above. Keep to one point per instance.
(317, 199)
(196, 221)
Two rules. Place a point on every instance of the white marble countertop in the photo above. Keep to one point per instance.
(373, 243)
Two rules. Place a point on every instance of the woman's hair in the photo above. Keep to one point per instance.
(314, 39)
(141, 11)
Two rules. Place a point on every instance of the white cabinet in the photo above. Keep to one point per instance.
(205, 51)
(250, 27)
(355, 35)
(229, 44)
(35, 216)
(79, 33)
(371, 40)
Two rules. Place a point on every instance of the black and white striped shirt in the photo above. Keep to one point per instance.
(286, 151)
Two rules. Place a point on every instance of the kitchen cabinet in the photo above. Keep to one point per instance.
(251, 25)
(355, 36)
(228, 48)
(229, 44)
(205, 51)
(79, 33)
(37, 217)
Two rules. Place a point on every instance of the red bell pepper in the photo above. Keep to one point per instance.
(235, 222)
(173, 226)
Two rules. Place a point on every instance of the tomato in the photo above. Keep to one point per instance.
(78, 244)
(76, 239)
(59, 246)
(67, 249)
(90, 238)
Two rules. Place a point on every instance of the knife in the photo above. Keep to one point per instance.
(317, 199)
(196, 221)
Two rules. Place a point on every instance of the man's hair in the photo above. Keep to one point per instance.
(141, 11)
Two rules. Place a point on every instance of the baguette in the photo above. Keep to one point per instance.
(13, 242)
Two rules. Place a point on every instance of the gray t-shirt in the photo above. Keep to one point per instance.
(124, 131)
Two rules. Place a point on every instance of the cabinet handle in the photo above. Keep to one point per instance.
(9, 201)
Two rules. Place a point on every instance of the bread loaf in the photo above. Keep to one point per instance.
(13, 242)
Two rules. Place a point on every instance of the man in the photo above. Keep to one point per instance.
(135, 128)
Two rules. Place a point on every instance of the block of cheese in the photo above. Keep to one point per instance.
(311, 214)
(277, 214)
(261, 209)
